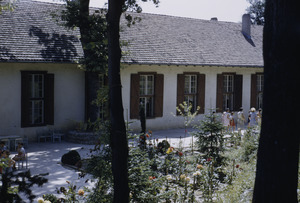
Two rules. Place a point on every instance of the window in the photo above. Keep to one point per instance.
(260, 87)
(147, 94)
(229, 91)
(36, 92)
(257, 88)
(37, 98)
(191, 89)
(146, 89)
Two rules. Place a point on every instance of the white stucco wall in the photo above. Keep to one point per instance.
(170, 91)
(69, 96)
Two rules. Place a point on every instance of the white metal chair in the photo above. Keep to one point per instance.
(57, 135)
(44, 134)
(18, 140)
(20, 163)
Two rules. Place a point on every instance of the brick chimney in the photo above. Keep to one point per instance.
(246, 26)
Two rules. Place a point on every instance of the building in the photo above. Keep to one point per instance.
(168, 60)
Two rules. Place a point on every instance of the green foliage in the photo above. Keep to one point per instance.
(210, 140)
(185, 110)
(7, 5)
(257, 11)
(250, 144)
(14, 183)
(94, 41)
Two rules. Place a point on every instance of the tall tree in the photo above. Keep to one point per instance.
(257, 11)
(278, 153)
(119, 143)
(93, 37)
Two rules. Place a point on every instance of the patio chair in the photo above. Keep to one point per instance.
(43, 134)
(18, 140)
(20, 164)
(57, 135)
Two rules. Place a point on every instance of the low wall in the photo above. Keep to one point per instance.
(82, 137)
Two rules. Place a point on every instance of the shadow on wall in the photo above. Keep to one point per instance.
(57, 47)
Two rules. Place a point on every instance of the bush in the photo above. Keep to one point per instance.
(71, 158)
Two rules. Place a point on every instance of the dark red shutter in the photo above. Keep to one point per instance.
(159, 95)
(253, 90)
(238, 92)
(25, 99)
(201, 92)
(49, 99)
(134, 96)
(180, 90)
(219, 102)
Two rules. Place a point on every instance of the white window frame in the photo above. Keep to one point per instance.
(37, 95)
(147, 93)
(190, 90)
(228, 91)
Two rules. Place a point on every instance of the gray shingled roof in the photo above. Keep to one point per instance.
(160, 39)
(29, 33)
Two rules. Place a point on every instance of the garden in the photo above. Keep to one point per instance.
(213, 166)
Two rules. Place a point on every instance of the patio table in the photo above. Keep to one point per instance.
(11, 139)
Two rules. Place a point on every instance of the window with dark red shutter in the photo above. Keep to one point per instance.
(191, 89)
(229, 92)
(257, 84)
(146, 89)
(37, 98)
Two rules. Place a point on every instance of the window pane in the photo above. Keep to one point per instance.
(142, 85)
(190, 84)
(147, 103)
(193, 84)
(150, 84)
(260, 83)
(260, 100)
(191, 100)
(228, 83)
(37, 112)
(187, 84)
(228, 101)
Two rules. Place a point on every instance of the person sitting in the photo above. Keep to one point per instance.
(21, 154)
(8, 163)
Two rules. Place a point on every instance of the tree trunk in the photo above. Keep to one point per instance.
(92, 79)
(118, 130)
(278, 153)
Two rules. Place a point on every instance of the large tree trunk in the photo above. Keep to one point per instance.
(92, 79)
(278, 153)
(118, 130)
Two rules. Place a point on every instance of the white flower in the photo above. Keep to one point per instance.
(197, 173)
(40, 200)
(182, 176)
(169, 177)
(187, 179)
(47, 201)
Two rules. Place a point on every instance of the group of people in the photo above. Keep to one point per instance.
(8, 164)
(233, 121)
